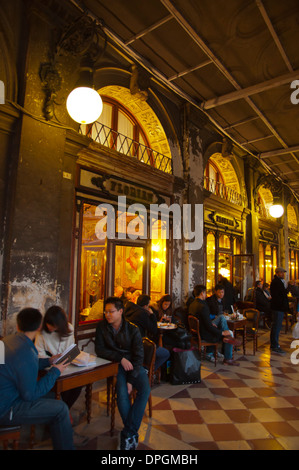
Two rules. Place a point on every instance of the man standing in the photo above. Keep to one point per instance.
(208, 332)
(279, 305)
(120, 341)
(23, 398)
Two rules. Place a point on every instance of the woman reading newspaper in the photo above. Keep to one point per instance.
(56, 335)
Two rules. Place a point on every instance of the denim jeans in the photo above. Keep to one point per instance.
(132, 415)
(54, 413)
(162, 354)
(277, 318)
(221, 324)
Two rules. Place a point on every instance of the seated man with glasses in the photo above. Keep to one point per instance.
(120, 341)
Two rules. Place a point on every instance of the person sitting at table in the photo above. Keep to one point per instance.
(261, 302)
(143, 316)
(163, 307)
(23, 397)
(120, 341)
(229, 299)
(55, 336)
(266, 290)
(208, 332)
(216, 306)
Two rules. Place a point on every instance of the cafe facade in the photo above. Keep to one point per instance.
(82, 204)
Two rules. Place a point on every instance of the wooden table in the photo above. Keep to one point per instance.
(74, 376)
(162, 329)
(234, 325)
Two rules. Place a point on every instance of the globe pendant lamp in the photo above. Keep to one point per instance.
(276, 210)
(84, 103)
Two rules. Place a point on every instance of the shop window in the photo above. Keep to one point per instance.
(129, 268)
(292, 264)
(267, 261)
(210, 263)
(261, 261)
(135, 257)
(92, 268)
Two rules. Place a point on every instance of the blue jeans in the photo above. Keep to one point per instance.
(132, 415)
(277, 318)
(162, 354)
(54, 413)
(220, 322)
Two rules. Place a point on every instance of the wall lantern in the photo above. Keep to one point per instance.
(84, 103)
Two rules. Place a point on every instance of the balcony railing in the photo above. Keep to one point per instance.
(127, 146)
(219, 189)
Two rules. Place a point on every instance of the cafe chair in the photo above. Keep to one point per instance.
(149, 348)
(252, 325)
(10, 433)
(291, 314)
(202, 345)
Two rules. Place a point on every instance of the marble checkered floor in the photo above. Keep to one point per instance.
(253, 407)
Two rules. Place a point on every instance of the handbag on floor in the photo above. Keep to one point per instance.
(185, 366)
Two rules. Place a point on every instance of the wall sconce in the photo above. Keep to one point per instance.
(84, 103)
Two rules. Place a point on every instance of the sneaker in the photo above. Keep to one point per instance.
(210, 358)
(278, 350)
(220, 355)
(128, 443)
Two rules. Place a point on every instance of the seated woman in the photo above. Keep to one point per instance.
(55, 336)
(163, 308)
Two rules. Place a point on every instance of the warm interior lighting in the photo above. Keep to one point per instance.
(84, 105)
(276, 210)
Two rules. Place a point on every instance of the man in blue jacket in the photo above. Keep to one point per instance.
(22, 394)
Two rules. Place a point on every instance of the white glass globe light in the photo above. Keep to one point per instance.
(276, 210)
(84, 105)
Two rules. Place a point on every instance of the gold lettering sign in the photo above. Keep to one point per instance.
(121, 188)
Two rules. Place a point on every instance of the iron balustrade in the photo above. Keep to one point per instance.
(224, 192)
(112, 139)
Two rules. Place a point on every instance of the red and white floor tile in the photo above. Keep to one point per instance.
(253, 407)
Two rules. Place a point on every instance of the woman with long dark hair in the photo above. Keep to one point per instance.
(55, 336)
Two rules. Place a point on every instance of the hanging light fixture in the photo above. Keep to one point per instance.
(84, 103)
(276, 210)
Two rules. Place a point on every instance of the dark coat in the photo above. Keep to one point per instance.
(213, 304)
(147, 323)
(208, 332)
(127, 343)
(229, 295)
(261, 302)
(279, 301)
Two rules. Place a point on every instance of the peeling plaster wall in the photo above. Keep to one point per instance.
(193, 260)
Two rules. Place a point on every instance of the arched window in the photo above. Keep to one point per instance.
(119, 130)
(213, 178)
